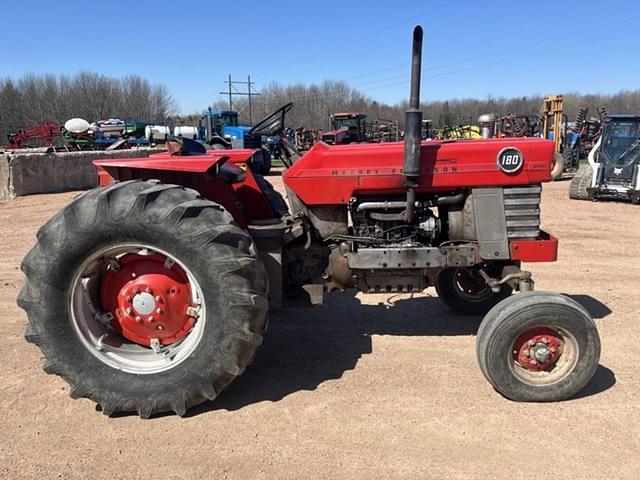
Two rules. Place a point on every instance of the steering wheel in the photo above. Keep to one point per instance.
(272, 124)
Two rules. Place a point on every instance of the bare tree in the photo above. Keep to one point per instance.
(36, 99)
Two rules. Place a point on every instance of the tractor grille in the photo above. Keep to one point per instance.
(522, 211)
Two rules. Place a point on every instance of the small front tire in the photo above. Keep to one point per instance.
(538, 347)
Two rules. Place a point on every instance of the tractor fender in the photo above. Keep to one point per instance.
(221, 176)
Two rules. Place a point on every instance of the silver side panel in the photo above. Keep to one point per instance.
(490, 221)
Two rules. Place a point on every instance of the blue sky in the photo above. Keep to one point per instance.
(471, 49)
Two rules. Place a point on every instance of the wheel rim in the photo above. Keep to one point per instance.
(137, 308)
(470, 285)
(544, 355)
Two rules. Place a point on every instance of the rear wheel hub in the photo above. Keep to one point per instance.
(471, 285)
(149, 299)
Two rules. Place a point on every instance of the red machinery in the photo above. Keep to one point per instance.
(347, 128)
(46, 132)
(151, 293)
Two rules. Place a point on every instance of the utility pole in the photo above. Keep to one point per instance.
(233, 91)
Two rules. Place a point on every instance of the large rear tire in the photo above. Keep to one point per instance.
(580, 182)
(538, 347)
(169, 234)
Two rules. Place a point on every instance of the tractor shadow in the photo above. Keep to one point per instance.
(595, 307)
(305, 347)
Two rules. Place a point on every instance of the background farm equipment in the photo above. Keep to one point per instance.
(582, 136)
(110, 134)
(460, 132)
(427, 130)
(157, 285)
(554, 128)
(613, 170)
(41, 135)
(220, 130)
(346, 128)
(519, 125)
(381, 130)
(304, 138)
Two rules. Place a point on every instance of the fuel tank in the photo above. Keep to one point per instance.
(331, 175)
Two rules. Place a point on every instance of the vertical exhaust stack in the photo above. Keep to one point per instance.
(412, 128)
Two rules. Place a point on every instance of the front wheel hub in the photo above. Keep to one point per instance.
(149, 299)
(538, 349)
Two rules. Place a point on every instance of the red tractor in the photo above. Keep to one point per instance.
(347, 128)
(150, 293)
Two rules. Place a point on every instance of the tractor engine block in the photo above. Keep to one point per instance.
(382, 222)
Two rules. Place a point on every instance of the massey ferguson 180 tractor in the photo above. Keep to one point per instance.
(150, 293)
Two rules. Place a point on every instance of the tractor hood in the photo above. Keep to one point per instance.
(331, 175)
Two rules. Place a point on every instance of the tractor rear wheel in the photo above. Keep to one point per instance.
(538, 347)
(465, 291)
(580, 182)
(144, 297)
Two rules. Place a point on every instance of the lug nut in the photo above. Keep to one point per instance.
(136, 290)
(532, 362)
(545, 341)
(128, 311)
(159, 311)
(532, 343)
(151, 318)
(138, 318)
(129, 298)
(148, 290)
(158, 298)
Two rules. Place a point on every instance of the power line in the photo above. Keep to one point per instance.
(361, 39)
(519, 57)
(466, 60)
(491, 54)
(232, 91)
(474, 45)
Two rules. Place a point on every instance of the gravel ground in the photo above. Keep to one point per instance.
(369, 386)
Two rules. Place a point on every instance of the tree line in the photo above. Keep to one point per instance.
(36, 99)
(313, 105)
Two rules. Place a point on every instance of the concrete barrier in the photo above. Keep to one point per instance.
(24, 173)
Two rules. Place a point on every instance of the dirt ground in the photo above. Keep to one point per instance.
(369, 386)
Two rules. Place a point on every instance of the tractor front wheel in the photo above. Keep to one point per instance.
(538, 347)
(466, 292)
(144, 297)
(557, 167)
